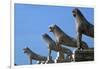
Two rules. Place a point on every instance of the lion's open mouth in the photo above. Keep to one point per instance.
(44, 34)
(50, 29)
(74, 13)
(24, 50)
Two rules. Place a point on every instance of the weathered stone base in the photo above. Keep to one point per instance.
(84, 55)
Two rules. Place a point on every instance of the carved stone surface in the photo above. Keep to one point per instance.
(84, 55)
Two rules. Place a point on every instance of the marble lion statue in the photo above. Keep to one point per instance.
(83, 26)
(33, 56)
(53, 47)
(63, 39)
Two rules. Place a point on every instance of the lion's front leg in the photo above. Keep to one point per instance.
(49, 51)
(60, 57)
(30, 60)
(79, 37)
(58, 46)
(58, 43)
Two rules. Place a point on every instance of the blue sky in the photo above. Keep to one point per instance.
(31, 21)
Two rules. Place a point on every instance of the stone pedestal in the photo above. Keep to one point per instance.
(84, 55)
